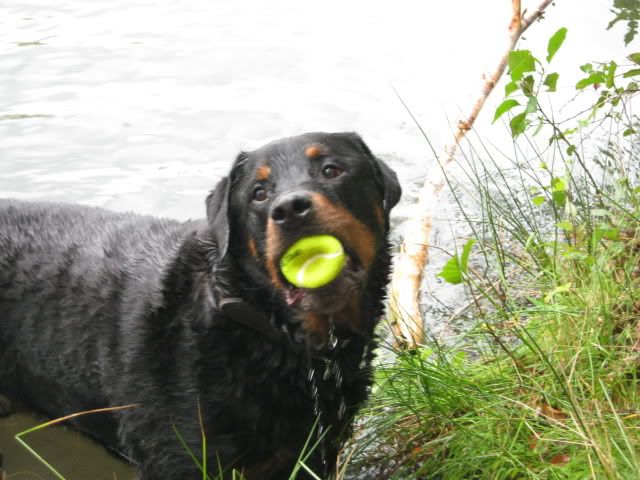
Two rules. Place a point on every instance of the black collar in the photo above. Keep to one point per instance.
(243, 313)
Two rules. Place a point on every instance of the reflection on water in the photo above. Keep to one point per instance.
(142, 104)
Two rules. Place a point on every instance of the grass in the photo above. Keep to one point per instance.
(223, 473)
(545, 383)
(19, 436)
(207, 473)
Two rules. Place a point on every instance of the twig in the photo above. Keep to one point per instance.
(404, 305)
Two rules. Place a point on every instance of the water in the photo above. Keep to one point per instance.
(142, 104)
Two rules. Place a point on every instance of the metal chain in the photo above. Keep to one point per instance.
(331, 369)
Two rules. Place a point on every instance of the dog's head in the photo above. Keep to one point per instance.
(316, 183)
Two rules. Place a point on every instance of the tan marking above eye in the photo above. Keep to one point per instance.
(314, 151)
(263, 172)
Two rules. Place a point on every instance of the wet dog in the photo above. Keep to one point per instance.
(194, 323)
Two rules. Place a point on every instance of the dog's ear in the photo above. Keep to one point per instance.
(217, 203)
(386, 177)
(218, 215)
(389, 181)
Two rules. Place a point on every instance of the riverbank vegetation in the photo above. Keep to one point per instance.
(544, 383)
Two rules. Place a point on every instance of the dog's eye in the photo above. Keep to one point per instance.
(331, 171)
(259, 194)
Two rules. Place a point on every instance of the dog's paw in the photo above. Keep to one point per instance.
(5, 406)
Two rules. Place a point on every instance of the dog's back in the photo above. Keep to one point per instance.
(66, 272)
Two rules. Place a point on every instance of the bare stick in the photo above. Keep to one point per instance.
(404, 303)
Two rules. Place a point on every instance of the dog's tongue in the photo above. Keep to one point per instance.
(294, 296)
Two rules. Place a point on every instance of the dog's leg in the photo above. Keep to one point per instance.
(5, 406)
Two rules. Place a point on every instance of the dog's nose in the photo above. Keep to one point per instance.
(291, 209)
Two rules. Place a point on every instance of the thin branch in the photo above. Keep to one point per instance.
(404, 304)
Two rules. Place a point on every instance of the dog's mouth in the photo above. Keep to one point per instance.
(330, 297)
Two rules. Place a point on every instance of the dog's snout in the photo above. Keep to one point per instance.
(291, 209)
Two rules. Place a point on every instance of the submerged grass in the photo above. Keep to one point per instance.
(19, 436)
(546, 383)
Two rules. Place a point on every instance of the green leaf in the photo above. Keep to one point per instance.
(520, 62)
(539, 127)
(548, 298)
(628, 131)
(559, 191)
(551, 81)
(558, 184)
(632, 73)
(586, 68)
(532, 105)
(611, 74)
(518, 124)
(539, 200)
(565, 225)
(635, 58)
(571, 149)
(559, 198)
(611, 234)
(595, 78)
(604, 230)
(527, 85)
(510, 87)
(504, 108)
(453, 270)
(555, 42)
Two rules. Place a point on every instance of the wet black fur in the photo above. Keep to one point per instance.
(101, 309)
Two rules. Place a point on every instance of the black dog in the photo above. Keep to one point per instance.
(195, 324)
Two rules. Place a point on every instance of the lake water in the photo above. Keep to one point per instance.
(141, 105)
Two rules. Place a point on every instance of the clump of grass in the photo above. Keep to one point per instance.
(546, 383)
(219, 472)
(223, 472)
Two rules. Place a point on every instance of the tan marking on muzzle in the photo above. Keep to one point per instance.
(349, 316)
(252, 247)
(316, 324)
(274, 246)
(355, 234)
(377, 210)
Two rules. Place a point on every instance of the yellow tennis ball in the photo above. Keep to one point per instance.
(314, 261)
